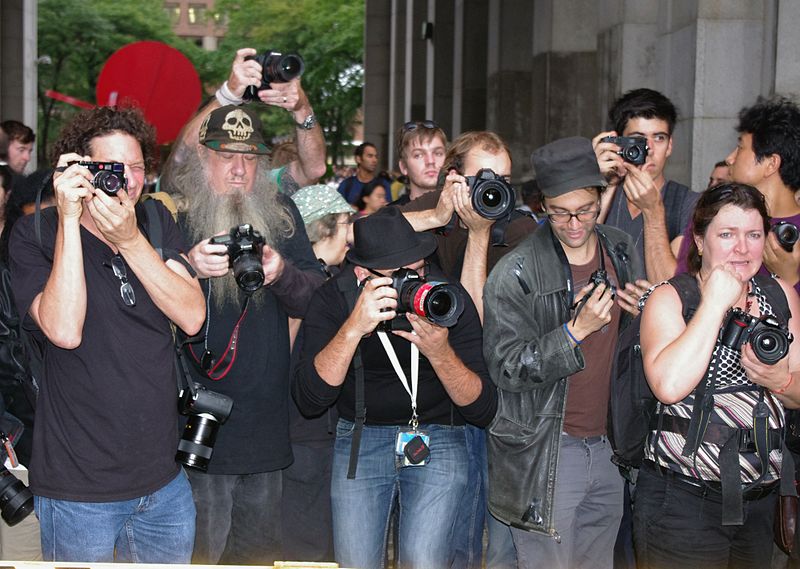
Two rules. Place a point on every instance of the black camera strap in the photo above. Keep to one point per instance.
(565, 266)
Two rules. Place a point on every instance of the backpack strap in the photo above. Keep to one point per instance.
(672, 198)
(775, 296)
(351, 295)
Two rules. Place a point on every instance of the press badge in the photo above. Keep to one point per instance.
(414, 447)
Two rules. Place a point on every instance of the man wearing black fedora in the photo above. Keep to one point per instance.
(403, 397)
(553, 310)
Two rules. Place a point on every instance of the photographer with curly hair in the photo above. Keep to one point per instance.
(103, 472)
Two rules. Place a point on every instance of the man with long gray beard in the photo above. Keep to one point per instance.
(243, 349)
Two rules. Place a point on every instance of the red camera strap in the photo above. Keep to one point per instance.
(225, 363)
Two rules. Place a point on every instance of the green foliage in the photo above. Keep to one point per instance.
(328, 34)
(79, 36)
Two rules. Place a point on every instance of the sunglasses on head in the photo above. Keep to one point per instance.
(414, 125)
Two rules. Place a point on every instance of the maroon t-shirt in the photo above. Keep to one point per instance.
(589, 389)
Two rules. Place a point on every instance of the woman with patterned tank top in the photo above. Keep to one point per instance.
(707, 490)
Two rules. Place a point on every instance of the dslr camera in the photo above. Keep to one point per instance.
(492, 197)
(207, 410)
(108, 176)
(437, 301)
(276, 67)
(633, 149)
(244, 251)
(768, 337)
(16, 500)
(787, 234)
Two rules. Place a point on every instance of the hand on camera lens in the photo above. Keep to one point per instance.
(273, 264)
(785, 264)
(432, 340)
(640, 189)
(462, 204)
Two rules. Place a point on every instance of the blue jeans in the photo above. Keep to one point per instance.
(468, 537)
(238, 518)
(157, 528)
(429, 497)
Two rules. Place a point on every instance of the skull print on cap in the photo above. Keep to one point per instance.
(233, 129)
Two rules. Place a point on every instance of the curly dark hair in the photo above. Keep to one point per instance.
(101, 121)
(774, 124)
(709, 205)
(642, 103)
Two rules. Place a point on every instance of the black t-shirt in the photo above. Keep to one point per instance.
(387, 401)
(255, 438)
(106, 416)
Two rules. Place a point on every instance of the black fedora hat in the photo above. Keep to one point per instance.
(386, 240)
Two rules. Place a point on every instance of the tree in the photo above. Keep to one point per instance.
(328, 34)
(79, 36)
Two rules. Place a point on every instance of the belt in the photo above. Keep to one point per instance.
(719, 434)
(593, 440)
(707, 488)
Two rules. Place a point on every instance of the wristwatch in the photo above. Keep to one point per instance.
(309, 123)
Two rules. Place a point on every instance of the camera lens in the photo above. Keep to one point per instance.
(283, 68)
(248, 272)
(16, 501)
(438, 302)
(787, 234)
(493, 199)
(633, 154)
(108, 182)
(197, 443)
(770, 345)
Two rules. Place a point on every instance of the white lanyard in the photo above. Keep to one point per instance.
(412, 389)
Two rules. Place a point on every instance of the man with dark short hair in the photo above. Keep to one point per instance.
(719, 174)
(401, 397)
(767, 156)
(639, 199)
(366, 157)
(551, 314)
(20, 145)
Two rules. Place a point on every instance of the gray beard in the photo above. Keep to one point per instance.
(208, 213)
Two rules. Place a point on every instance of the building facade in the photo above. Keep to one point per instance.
(538, 70)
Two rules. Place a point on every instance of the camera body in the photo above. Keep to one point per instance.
(108, 176)
(244, 251)
(600, 276)
(276, 67)
(768, 337)
(492, 197)
(633, 149)
(787, 234)
(439, 302)
(207, 410)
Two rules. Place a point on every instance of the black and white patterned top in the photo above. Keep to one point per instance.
(735, 396)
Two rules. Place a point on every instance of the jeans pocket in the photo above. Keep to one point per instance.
(345, 428)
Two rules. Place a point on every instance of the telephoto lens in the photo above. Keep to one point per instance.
(16, 500)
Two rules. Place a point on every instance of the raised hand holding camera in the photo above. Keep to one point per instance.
(377, 303)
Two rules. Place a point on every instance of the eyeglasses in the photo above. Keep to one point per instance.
(125, 289)
(566, 217)
(414, 125)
